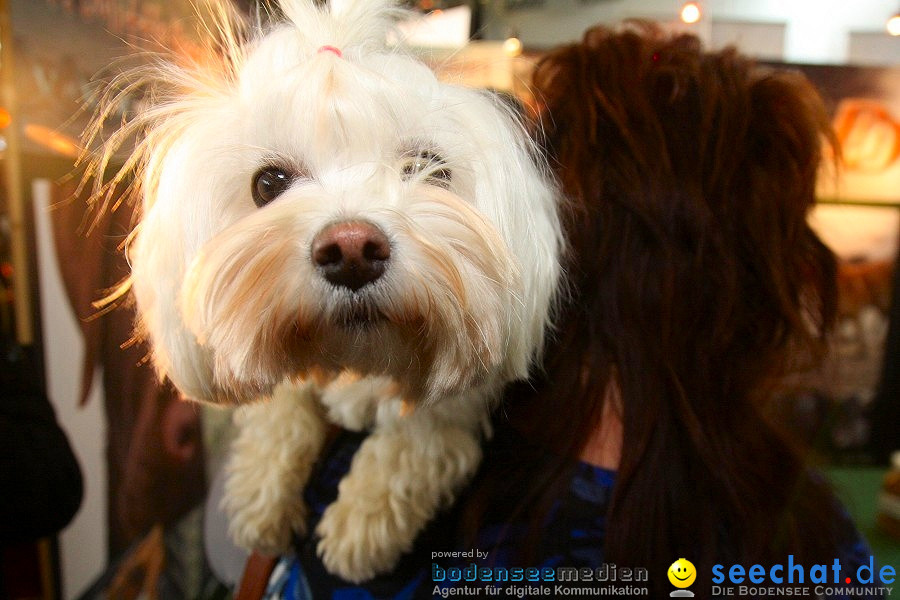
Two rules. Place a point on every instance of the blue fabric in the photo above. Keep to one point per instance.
(576, 526)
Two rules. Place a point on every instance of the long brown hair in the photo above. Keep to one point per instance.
(695, 284)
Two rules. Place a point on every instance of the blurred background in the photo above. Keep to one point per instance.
(149, 460)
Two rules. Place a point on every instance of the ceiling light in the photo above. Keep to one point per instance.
(512, 47)
(690, 12)
(893, 24)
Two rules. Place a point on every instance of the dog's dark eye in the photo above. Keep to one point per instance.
(432, 165)
(269, 183)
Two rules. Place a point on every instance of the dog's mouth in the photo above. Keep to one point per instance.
(359, 316)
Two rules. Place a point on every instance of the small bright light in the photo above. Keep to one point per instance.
(512, 47)
(690, 12)
(893, 25)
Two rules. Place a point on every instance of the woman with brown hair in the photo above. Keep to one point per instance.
(695, 285)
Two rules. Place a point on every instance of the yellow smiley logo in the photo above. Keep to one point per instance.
(682, 573)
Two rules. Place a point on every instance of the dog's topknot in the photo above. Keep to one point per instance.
(345, 24)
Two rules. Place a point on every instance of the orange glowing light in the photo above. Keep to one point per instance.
(5, 118)
(690, 12)
(893, 25)
(52, 140)
(512, 47)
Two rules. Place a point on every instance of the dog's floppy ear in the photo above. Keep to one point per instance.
(499, 135)
(156, 275)
(164, 244)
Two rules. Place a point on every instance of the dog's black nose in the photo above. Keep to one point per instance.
(351, 254)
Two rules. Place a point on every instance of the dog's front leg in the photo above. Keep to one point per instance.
(406, 470)
(271, 459)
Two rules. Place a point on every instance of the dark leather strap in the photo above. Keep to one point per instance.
(256, 577)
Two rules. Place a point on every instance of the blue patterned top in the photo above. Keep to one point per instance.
(579, 519)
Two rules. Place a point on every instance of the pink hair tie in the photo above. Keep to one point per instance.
(336, 51)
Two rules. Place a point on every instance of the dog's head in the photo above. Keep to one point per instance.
(318, 201)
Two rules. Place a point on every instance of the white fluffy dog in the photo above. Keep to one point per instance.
(317, 207)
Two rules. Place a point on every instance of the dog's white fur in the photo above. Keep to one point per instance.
(236, 309)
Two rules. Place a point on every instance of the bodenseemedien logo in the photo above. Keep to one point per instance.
(544, 582)
(682, 574)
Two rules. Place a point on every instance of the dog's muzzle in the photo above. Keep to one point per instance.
(351, 254)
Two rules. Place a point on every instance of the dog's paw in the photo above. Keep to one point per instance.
(399, 479)
(271, 460)
(265, 529)
(360, 540)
